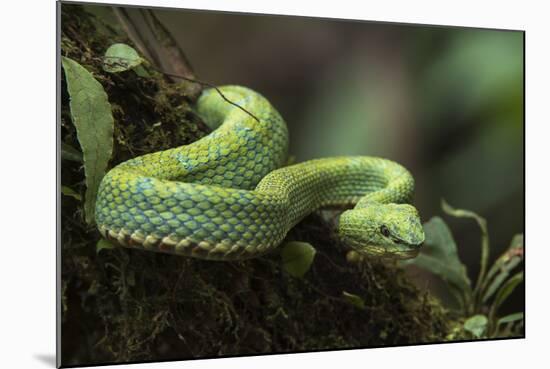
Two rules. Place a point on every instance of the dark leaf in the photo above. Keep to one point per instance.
(440, 256)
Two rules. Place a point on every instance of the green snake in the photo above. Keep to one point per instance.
(229, 195)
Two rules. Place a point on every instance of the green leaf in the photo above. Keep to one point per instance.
(70, 192)
(506, 290)
(476, 325)
(92, 117)
(440, 256)
(103, 244)
(120, 58)
(461, 213)
(297, 257)
(142, 72)
(354, 300)
(70, 153)
(510, 318)
(503, 266)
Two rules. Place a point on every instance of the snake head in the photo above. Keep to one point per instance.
(393, 230)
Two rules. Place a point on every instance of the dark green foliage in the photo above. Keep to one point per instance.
(477, 316)
(440, 257)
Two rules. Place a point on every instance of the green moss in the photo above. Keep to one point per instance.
(125, 305)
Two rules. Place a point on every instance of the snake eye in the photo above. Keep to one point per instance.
(384, 230)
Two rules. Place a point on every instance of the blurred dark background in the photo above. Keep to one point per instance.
(445, 102)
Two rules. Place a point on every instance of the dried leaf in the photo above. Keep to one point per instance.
(92, 117)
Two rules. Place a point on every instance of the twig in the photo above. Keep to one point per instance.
(208, 85)
(192, 80)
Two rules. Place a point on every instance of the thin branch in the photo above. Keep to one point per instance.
(211, 86)
(192, 80)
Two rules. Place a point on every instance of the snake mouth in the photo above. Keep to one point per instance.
(407, 254)
(411, 250)
(407, 251)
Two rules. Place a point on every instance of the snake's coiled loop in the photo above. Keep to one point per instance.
(228, 196)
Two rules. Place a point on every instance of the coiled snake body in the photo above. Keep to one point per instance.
(228, 196)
